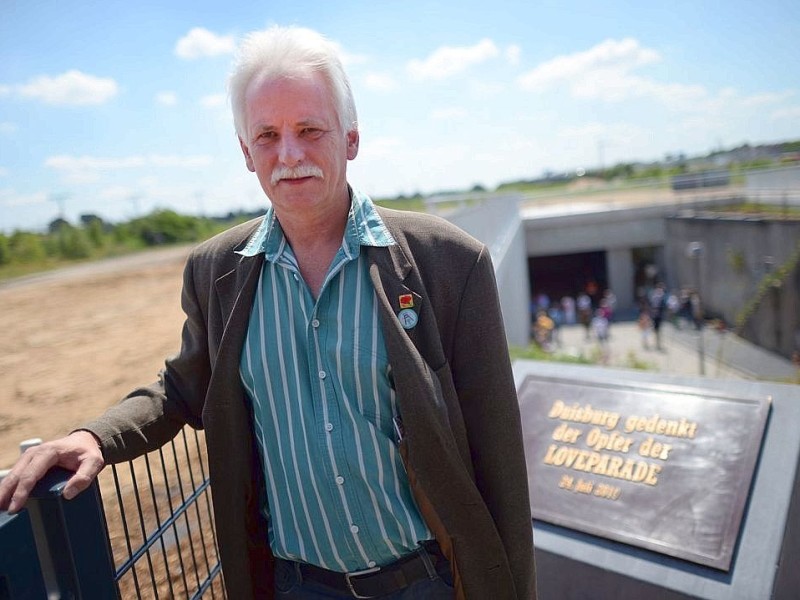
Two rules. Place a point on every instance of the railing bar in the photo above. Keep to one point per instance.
(199, 454)
(173, 520)
(158, 523)
(119, 573)
(200, 485)
(207, 582)
(213, 532)
(143, 527)
(151, 539)
(206, 496)
(197, 508)
(186, 517)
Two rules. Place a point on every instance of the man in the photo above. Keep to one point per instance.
(349, 367)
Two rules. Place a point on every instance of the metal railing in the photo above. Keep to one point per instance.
(144, 529)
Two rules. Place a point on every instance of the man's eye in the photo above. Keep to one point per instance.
(311, 132)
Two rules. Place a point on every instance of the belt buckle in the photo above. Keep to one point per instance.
(349, 581)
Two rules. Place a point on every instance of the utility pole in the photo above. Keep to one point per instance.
(60, 199)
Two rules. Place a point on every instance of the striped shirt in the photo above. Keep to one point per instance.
(317, 374)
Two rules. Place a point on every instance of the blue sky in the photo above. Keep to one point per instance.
(117, 108)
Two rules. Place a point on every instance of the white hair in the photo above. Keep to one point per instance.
(289, 52)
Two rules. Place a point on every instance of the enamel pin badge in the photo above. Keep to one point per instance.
(406, 300)
(408, 317)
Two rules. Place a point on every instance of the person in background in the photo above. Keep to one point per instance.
(556, 314)
(349, 366)
(570, 314)
(600, 327)
(658, 310)
(543, 331)
(584, 304)
(609, 301)
(644, 322)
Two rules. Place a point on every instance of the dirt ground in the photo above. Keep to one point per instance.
(75, 341)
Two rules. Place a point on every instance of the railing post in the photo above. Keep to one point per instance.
(20, 576)
(71, 540)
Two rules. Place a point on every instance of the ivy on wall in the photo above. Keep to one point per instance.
(775, 279)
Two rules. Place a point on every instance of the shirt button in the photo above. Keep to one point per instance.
(340, 480)
(354, 528)
(322, 375)
(328, 426)
(315, 323)
(371, 564)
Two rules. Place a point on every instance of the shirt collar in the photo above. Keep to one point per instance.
(364, 228)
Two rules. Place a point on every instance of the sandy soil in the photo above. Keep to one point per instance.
(75, 341)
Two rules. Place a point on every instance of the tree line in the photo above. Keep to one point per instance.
(92, 237)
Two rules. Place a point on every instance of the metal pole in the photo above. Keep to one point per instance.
(694, 251)
(701, 352)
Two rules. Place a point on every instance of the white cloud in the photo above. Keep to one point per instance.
(792, 112)
(181, 162)
(70, 88)
(767, 98)
(676, 96)
(450, 113)
(213, 100)
(449, 60)
(5, 90)
(10, 198)
(349, 59)
(88, 169)
(93, 163)
(609, 134)
(7, 127)
(117, 193)
(3, 172)
(167, 98)
(486, 89)
(380, 147)
(611, 58)
(379, 82)
(201, 42)
(513, 53)
(606, 72)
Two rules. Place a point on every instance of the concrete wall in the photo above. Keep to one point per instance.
(738, 252)
(599, 231)
(497, 224)
(615, 232)
(785, 181)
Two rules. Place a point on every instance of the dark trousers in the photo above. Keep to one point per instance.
(290, 585)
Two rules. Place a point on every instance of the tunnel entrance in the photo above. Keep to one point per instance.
(562, 275)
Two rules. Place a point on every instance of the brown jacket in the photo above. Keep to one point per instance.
(455, 391)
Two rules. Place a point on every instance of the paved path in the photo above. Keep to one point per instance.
(726, 356)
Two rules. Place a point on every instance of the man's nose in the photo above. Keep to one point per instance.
(290, 151)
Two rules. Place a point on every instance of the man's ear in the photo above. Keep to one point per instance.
(352, 144)
(248, 160)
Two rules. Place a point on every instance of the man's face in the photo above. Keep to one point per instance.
(295, 144)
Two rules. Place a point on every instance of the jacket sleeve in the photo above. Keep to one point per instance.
(485, 387)
(151, 415)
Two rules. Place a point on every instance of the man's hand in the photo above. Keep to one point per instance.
(79, 452)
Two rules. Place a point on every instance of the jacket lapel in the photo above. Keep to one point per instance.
(235, 291)
(390, 270)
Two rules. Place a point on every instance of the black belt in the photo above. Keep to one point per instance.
(379, 580)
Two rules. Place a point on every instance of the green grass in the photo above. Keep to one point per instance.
(758, 208)
(534, 352)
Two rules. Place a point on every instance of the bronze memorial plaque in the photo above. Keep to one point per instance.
(661, 467)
